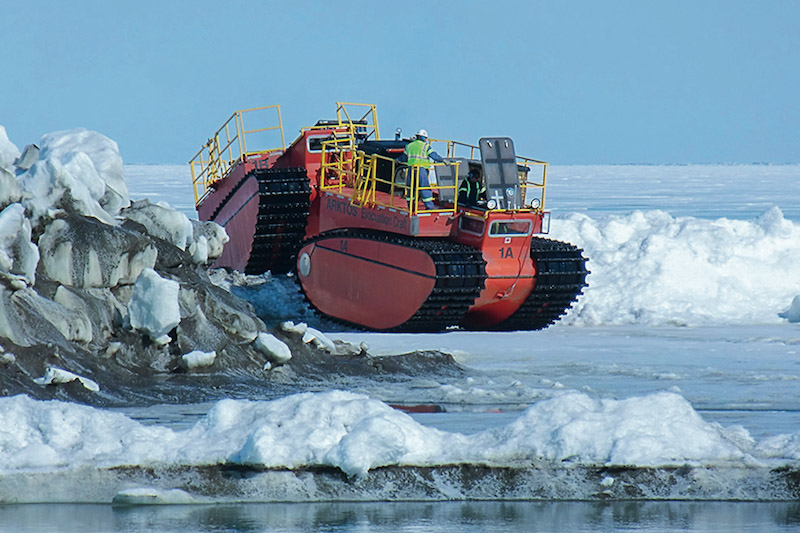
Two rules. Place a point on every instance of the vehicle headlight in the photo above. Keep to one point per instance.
(510, 192)
(304, 264)
(491, 204)
(536, 203)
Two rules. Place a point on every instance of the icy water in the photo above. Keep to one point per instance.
(395, 517)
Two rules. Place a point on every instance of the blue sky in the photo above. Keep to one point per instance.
(572, 82)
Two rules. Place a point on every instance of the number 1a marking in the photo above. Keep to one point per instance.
(343, 245)
(506, 253)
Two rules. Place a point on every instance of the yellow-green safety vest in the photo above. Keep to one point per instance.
(417, 152)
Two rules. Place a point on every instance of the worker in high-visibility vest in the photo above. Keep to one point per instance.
(472, 192)
(417, 155)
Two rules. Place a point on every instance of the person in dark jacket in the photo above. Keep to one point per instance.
(472, 192)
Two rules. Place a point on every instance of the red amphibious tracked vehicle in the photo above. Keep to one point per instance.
(338, 209)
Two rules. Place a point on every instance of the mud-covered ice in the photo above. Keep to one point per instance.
(93, 285)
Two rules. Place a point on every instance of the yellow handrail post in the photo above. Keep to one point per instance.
(214, 160)
(544, 183)
(280, 125)
(240, 133)
(414, 197)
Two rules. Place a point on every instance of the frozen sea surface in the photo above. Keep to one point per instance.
(747, 375)
(705, 191)
(704, 327)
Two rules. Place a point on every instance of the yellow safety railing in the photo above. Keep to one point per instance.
(339, 163)
(533, 183)
(362, 125)
(414, 190)
(346, 167)
(229, 145)
(358, 171)
(457, 149)
(343, 165)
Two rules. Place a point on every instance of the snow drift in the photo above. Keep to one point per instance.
(357, 434)
(284, 450)
(653, 269)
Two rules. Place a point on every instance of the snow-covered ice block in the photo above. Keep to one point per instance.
(792, 313)
(8, 151)
(162, 221)
(198, 359)
(51, 187)
(105, 159)
(55, 376)
(215, 237)
(18, 255)
(9, 189)
(29, 156)
(154, 307)
(319, 339)
(274, 348)
(290, 327)
(199, 250)
(7, 358)
(26, 318)
(82, 252)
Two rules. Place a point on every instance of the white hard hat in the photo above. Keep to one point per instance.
(422, 133)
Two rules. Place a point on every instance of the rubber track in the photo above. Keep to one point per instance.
(460, 275)
(561, 277)
(283, 208)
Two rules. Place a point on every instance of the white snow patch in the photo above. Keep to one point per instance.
(654, 430)
(780, 447)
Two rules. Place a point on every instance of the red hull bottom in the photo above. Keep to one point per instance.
(499, 300)
(375, 284)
